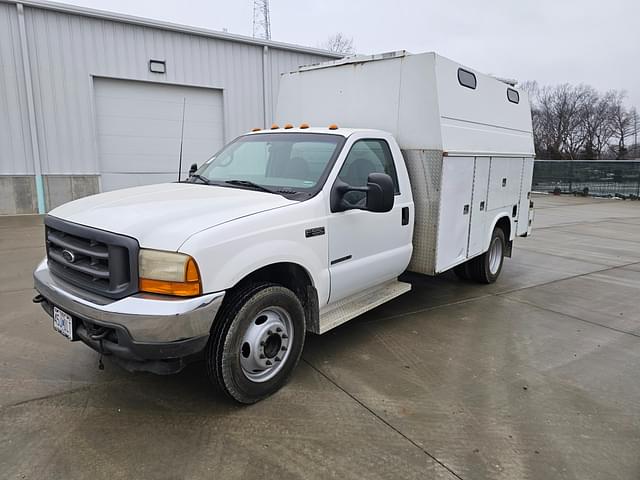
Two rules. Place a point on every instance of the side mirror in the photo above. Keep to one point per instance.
(192, 170)
(379, 194)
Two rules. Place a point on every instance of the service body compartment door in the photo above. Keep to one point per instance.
(455, 211)
(524, 216)
(478, 234)
(504, 183)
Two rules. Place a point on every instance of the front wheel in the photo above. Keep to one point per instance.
(487, 267)
(256, 342)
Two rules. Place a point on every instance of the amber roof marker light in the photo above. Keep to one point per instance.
(257, 129)
(274, 126)
(288, 126)
(333, 126)
(304, 125)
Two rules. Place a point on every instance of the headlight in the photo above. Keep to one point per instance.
(169, 273)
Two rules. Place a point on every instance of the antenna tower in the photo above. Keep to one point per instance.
(261, 19)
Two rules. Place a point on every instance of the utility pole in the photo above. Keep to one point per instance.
(261, 19)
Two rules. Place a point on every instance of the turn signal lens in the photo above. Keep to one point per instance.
(192, 274)
(180, 289)
(168, 273)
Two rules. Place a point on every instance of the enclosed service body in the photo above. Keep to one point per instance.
(294, 230)
(466, 139)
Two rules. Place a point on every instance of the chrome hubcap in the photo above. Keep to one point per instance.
(265, 344)
(495, 256)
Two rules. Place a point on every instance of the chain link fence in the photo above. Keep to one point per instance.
(611, 178)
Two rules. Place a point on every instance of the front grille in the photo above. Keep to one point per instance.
(101, 262)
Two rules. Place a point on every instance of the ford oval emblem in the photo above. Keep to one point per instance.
(69, 256)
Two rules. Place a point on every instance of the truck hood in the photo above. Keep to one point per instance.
(163, 216)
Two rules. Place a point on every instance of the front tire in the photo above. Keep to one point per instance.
(256, 342)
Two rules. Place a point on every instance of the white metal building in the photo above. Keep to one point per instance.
(93, 101)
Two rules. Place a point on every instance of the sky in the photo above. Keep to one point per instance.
(595, 42)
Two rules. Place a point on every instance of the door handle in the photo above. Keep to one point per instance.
(465, 210)
(405, 215)
(481, 206)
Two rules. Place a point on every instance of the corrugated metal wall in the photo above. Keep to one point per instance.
(16, 157)
(67, 50)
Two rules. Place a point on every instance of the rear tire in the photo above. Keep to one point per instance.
(487, 267)
(462, 271)
(256, 342)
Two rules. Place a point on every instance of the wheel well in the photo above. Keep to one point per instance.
(291, 276)
(505, 225)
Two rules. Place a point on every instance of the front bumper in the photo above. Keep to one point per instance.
(145, 326)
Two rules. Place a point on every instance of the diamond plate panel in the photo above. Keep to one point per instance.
(425, 174)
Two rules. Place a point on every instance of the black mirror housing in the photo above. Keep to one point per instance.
(380, 194)
(192, 170)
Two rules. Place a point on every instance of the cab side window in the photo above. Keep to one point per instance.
(365, 157)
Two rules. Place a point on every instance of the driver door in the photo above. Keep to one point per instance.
(367, 248)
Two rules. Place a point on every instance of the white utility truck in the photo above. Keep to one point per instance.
(414, 163)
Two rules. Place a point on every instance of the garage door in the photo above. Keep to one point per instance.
(138, 127)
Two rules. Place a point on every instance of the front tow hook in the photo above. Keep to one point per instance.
(38, 299)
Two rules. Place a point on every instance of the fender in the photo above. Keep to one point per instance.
(499, 215)
(245, 261)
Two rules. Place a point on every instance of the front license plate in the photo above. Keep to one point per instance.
(63, 323)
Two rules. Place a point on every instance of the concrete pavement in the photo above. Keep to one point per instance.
(536, 376)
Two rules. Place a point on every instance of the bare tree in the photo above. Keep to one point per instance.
(634, 151)
(558, 120)
(579, 122)
(598, 123)
(623, 124)
(576, 132)
(339, 43)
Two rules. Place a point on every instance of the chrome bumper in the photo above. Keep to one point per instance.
(146, 317)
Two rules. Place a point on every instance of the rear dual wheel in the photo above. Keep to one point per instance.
(256, 342)
(485, 268)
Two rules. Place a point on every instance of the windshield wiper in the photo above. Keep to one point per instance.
(201, 178)
(250, 184)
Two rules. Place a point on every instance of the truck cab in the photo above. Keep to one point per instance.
(285, 231)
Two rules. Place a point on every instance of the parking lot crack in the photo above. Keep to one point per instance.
(50, 396)
(382, 420)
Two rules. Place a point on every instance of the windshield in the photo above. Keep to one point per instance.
(281, 162)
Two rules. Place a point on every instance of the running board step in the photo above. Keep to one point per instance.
(350, 307)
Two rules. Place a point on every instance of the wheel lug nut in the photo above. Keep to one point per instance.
(278, 330)
(277, 359)
(268, 362)
(284, 349)
(285, 336)
(262, 356)
(269, 332)
(262, 344)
